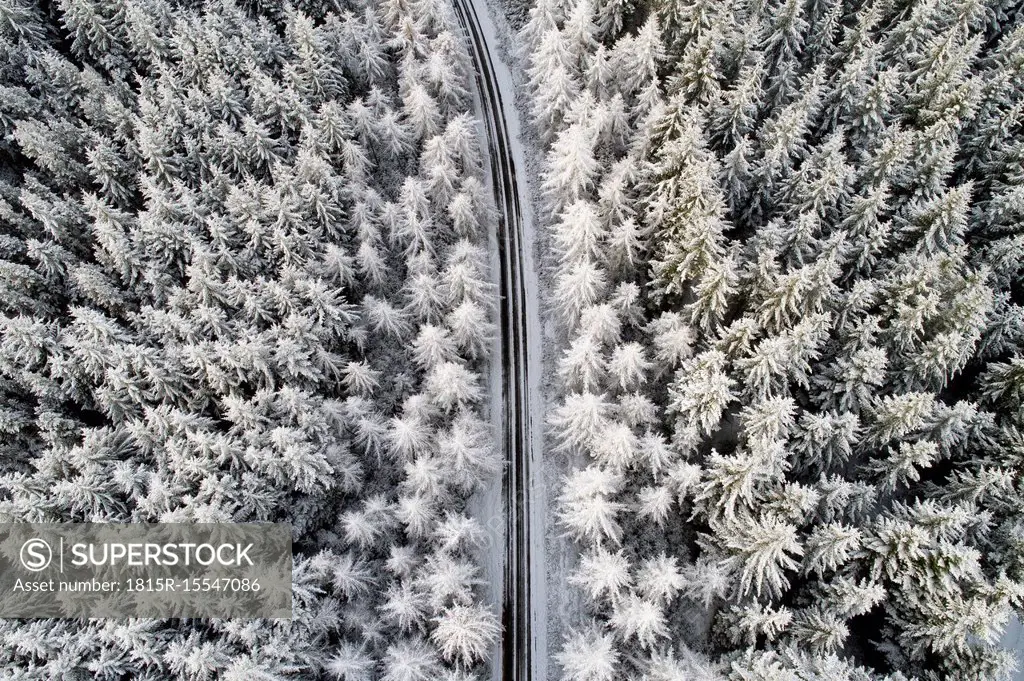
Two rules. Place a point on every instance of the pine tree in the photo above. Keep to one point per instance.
(578, 289)
(616, 446)
(350, 664)
(450, 385)
(578, 419)
(572, 167)
(603, 574)
(467, 452)
(544, 18)
(579, 233)
(634, 617)
(660, 579)
(410, 660)
(588, 655)
(471, 328)
(466, 633)
(601, 322)
(748, 623)
(762, 555)
(586, 509)
(628, 365)
(579, 31)
(701, 391)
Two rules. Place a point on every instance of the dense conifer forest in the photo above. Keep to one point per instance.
(787, 251)
(245, 276)
(243, 279)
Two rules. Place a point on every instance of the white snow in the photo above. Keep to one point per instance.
(487, 506)
(491, 500)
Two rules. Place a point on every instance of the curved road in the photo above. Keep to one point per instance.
(524, 644)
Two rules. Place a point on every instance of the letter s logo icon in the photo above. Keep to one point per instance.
(36, 555)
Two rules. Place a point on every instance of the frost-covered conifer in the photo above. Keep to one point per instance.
(588, 656)
(466, 633)
(578, 419)
(636, 617)
(578, 234)
(659, 578)
(628, 365)
(241, 277)
(586, 508)
(450, 385)
(616, 445)
(582, 366)
(410, 660)
(603, 574)
(471, 328)
(655, 503)
(404, 607)
(578, 289)
(433, 345)
(360, 378)
(233, 254)
(467, 452)
(602, 323)
(572, 167)
(418, 514)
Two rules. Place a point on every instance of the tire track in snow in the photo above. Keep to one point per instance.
(523, 650)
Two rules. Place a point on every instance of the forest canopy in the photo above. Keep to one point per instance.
(245, 277)
(243, 280)
(785, 241)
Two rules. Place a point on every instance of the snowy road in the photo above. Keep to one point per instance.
(524, 646)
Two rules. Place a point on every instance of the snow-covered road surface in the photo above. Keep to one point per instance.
(524, 646)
